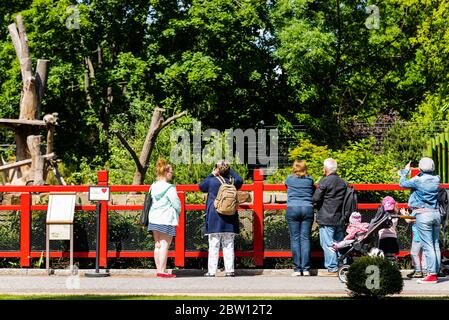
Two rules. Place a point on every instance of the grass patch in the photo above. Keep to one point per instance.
(180, 297)
(158, 297)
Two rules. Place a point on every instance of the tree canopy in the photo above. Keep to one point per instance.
(229, 63)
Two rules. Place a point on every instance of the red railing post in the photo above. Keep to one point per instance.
(25, 229)
(103, 259)
(258, 244)
(180, 240)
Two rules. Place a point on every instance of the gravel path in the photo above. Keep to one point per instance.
(264, 284)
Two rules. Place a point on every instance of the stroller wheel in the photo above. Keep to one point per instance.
(342, 273)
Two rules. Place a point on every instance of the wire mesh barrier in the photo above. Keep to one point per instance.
(125, 233)
(263, 228)
(196, 239)
(276, 236)
(379, 130)
(9, 230)
(276, 233)
(84, 233)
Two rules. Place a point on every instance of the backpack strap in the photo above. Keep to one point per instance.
(220, 178)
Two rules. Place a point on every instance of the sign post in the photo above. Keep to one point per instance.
(60, 214)
(98, 193)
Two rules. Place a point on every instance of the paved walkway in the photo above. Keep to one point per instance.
(188, 282)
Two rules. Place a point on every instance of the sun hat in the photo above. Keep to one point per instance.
(388, 203)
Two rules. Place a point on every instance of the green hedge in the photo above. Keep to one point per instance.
(374, 277)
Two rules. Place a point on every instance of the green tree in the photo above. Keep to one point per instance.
(341, 70)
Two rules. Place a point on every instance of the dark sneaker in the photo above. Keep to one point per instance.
(411, 274)
(230, 274)
(418, 274)
(415, 275)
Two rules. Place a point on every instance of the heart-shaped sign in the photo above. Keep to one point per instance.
(104, 190)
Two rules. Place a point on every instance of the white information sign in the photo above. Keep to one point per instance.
(61, 207)
(99, 193)
(59, 231)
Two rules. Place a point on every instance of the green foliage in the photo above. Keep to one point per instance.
(357, 163)
(339, 70)
(283, 62)
(312, 154)
(10, 230)
(363, 281)
(406, 141)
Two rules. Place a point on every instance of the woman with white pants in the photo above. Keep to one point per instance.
(220, 228)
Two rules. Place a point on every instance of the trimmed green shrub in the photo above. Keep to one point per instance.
(374, 277)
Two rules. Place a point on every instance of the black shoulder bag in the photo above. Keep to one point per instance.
(146, 210)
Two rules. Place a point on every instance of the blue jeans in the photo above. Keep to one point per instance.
(428, 227)
(329, 235)
(418, 259)
(299, 220)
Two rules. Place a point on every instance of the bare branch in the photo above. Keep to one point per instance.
(128, 147)
(7, 166)
(173, 118)
(25, 61)
(15, 39)
(12, 123)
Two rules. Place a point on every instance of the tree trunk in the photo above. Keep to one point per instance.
(41, 83)
(33, 87)
(155, 126)
(37, 161)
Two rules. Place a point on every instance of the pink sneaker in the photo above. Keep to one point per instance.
(165, 275)
(431, 278)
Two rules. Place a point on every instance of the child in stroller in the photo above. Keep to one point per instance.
(365, 244)
(355, 230)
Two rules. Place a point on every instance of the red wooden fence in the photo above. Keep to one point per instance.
(179, 253)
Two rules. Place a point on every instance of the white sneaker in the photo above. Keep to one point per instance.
(296, 274)
(306, 273)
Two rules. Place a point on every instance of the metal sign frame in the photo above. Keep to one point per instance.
(60, 212)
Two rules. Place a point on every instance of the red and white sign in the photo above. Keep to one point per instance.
(98, 193)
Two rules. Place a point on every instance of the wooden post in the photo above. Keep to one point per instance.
(25, 230)
(180, 241)
(103, 259)
(37, 161)
(446, 150)
(33, 87)
(444, 157)
(258, 223)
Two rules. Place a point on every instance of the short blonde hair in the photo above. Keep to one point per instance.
(299, 168)
(162, 168)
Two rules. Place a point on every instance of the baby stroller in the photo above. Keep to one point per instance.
(365, 243)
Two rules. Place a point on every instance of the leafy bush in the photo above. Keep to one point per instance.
(356, 164)
(406, 141)
(374, 277)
